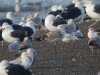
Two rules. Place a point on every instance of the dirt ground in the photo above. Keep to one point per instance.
(58, 58)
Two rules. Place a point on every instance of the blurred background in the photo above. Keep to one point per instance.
(7, 5)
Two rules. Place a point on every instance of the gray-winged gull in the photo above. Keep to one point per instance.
(94, 38)
(17, 46)
(26, 59)
(93, 34)
(93, 11)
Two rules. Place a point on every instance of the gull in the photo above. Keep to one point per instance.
(76, 13)
(17, 8)
(78, 34)
(7, 68)
(51, 22)
(17, 46)
(59, 34)
(94, 38)
(66, 37)
(71, 26)
(54, 8)
(3, 65)
(13, 35)
(26, 59)
(93, 34)
(10, 35)
(11, 68)
(27, 43)
(94, 44)
(93, 11)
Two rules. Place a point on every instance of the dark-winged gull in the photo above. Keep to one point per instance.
(7, 68)
(17, 70)
(13, 35)
(51, 22)
(29, 28)
(10, 35)
(76, 13)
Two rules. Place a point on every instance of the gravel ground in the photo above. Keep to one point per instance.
(58, 58)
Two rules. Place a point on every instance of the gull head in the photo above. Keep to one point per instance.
(4, 63)
(5, 25)
(70, 21)
(88, 3)
(54, 8)
(29, 18)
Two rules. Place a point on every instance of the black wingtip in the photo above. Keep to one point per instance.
(87, 18)
(81, 37)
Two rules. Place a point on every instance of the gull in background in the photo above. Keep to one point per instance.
(94, 38)
(93, 11)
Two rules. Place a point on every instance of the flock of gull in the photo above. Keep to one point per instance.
(62, 23)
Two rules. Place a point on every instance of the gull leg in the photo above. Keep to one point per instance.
(98, 50)
(92, 51)
(2, 43)
(93, 24)
(81, 21)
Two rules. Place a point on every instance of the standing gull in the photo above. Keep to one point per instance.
(94, 38)
(93, 11)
